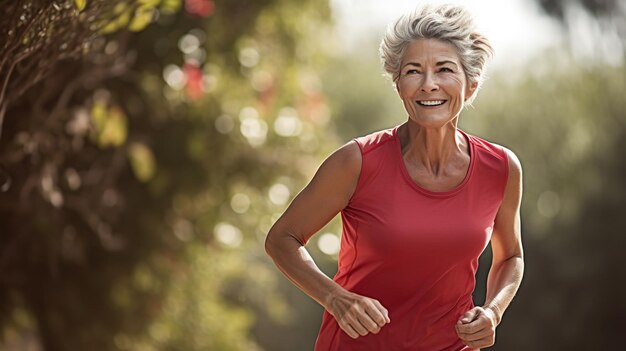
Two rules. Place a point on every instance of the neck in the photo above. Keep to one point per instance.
(432, 148)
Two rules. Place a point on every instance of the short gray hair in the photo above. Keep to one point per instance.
(449, 23)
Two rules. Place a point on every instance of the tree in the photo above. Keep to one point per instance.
(137, 173)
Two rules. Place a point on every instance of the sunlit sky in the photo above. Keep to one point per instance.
(517, 29)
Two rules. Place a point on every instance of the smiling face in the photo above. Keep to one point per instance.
(432, 83)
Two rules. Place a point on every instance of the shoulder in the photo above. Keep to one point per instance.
(372, 141)
(486, 146)
(338, 175)
(499, 151)
(514, 176)
(515, 166)
(345, 166)
(347, 157)
(501, 158)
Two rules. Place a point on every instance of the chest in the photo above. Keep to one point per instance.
(396, 222)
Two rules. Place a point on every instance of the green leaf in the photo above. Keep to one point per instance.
(80, 4)
(142, 161)
(98, 115)
(143, 17)
(117, 23)
(114, 131)
(170, 6)
(119, 8)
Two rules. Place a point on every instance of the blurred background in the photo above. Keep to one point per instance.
(147, 146)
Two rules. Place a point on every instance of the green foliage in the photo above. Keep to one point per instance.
(142, 161)
(157, 154)
(109, 125)
(80, 4)
(194, 315)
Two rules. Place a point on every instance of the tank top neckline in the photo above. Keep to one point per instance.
(424, 191)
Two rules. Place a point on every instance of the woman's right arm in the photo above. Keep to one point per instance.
(326, 195)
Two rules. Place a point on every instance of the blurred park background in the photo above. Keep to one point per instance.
(147, 146)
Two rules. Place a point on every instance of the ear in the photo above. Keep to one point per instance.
(470, 89)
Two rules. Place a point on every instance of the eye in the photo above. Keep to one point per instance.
(445, 69)
(411, 71)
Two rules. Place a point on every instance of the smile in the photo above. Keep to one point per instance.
(431, 102)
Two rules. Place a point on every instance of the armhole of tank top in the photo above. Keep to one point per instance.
(360, 179)
(506, 170)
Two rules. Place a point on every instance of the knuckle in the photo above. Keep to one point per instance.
(354, 308)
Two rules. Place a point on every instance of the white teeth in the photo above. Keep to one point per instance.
(431, 102)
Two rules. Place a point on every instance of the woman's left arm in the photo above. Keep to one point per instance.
(477, 327)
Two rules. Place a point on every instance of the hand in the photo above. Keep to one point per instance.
(477, 327)
(357, 315)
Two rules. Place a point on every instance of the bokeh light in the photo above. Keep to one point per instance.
(549, 204)
(288, 124)
(240, 203)
(249, 57)
(279, 194)
(329, 243)
(228, 235)
(252, 127)
(224, 124)
(188, 43)
(174, 77)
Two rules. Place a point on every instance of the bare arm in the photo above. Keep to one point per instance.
(326, 195)
(507, 267)
(477, 327)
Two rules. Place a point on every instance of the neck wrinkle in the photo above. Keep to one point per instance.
(434, 148)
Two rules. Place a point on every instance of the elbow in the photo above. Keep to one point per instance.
(272, 242)
(278, 240)
(514, 257)
(269, 244)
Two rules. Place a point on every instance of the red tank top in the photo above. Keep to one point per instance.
(414, 250)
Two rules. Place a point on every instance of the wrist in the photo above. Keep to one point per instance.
(330, 296)
(495, 311)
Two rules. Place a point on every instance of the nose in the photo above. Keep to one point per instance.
(429, 84)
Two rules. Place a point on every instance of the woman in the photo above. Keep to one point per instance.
(419, 203)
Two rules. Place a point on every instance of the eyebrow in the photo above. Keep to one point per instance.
(440, 63)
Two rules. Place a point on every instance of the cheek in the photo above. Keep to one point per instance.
(457, 86)
(406, 88)
(458, 81)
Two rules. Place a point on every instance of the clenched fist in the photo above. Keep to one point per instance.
(357, 315)
(477, 327)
